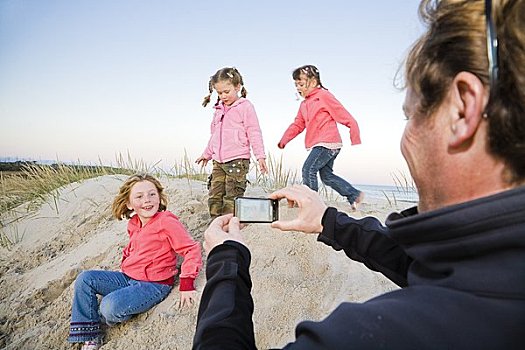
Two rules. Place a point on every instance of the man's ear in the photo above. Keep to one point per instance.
(469, 99)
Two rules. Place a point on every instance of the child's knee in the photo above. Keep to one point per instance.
(110, 313)
(326, 178)
(309, 170)
(84, 278)
(106, 308)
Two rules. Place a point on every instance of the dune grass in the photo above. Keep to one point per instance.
(186, 168)
(36, 184)
(403, 183)
(278, 176)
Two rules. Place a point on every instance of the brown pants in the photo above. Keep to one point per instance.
(228, 180)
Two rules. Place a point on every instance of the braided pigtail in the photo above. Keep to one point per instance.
(207, 98)
(237, 80)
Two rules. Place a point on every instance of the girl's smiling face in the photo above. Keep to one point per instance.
(144, 200)
(228, 93)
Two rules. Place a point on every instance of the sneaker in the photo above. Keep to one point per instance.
(358, 200)
(91, 345)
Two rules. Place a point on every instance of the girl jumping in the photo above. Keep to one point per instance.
(319, 114)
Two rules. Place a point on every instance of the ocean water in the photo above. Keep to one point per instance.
(391, 193)
(396, 193)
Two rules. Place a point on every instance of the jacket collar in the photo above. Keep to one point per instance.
(134, 221)
(313, 92)
(476, 246)
(221, 106)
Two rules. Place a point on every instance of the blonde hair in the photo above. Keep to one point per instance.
(456, 41)
(119, 207)
(230, 74)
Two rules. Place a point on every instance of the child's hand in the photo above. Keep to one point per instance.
(187, 298)
(202, 160)
(262, 165)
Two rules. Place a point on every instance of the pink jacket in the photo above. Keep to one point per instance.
(233, 132)
(319, 113)
(151, 254)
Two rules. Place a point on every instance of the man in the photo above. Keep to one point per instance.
(459, 257)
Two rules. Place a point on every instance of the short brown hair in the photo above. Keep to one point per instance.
(120, 203)
(456, 41)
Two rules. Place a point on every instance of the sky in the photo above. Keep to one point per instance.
(87, 80)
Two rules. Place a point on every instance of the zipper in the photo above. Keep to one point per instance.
(220, 137)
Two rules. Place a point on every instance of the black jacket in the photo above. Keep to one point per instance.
(461, 269)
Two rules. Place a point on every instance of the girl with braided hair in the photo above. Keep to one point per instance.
(234, 130)
(319, 114)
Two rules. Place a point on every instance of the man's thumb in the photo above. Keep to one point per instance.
(234, 227)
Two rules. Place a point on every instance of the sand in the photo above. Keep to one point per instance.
(294, 276)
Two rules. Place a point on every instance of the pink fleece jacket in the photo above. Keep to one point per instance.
(151, 254)
(319, 113)
(233, 131)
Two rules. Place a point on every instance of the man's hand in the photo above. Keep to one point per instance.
(311, 209)
(226, 227)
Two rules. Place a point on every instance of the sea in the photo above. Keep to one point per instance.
(393, 193)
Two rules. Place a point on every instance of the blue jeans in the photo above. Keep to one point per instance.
(122, 297)
(321, 160)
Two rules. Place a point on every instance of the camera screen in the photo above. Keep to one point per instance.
(255, 209)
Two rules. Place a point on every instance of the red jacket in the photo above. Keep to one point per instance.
(151, 254)
(319, 113)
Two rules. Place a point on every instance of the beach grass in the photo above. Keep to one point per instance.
(278, 175)
(35, 184)
(404, 184)
(38, 183)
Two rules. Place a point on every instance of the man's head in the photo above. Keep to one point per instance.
(457, 120)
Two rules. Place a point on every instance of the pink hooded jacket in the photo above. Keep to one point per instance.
(319, 113)
(151, 254)
(233, 131)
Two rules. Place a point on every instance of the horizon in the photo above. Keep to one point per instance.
(87, 81)
(396, 183)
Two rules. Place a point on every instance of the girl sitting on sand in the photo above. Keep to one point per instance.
(148, 268)
(319, 113)
(234, 129)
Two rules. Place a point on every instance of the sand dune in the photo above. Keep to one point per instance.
(295, 277)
